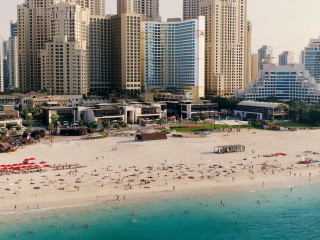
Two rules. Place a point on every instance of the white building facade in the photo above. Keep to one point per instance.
(286, 83)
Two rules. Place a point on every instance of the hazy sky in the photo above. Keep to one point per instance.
(283, 24)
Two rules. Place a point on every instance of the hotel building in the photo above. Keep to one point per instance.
(286, 83)
(173, 55)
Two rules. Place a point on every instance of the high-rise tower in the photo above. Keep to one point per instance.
(191, 9)
(149, 9)
(226, 43)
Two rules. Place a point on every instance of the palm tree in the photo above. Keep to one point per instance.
(106, 124)
(161, 121)
(50, 128)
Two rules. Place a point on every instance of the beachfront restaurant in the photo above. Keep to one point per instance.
(262, 110)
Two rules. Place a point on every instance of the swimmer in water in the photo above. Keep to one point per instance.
(17, 234)
(133, 213)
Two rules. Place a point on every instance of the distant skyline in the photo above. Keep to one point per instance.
(286, 25)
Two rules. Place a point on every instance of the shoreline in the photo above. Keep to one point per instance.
(137, 199)
(146, 172)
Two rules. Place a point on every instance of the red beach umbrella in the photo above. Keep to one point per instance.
(31, 159)
(42, 162)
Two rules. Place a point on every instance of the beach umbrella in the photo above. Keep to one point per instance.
(42, 162)
(32, 163)
(31, 159)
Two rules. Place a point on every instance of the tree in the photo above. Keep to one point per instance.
(203, 117)
(24, 114)
(35, 113)
(81, 123)
(106, 124)
(50, 128)
(29, 121)
(54, 118)
(89, 124)
(18, 127)
(238, 115)
(3, 133)
(161, 121)
(195, 118)
(120, 122)
(95, 125)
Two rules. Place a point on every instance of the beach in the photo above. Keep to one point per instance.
(122, 170)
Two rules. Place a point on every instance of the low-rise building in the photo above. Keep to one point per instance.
(132, 112)
(9, 117)
(262, 110)
(188, 108)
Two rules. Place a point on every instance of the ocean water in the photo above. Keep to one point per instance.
(281, 214)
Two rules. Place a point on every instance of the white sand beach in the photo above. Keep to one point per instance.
(121, 169)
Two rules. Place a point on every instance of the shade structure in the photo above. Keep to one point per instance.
(43, 162)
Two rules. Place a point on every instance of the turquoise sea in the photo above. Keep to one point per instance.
(281, 214)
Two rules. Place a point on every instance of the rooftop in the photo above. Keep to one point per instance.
(262, 104)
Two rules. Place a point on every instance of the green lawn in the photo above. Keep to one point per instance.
(295, 125)
(201, 128)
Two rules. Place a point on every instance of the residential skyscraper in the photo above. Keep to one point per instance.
(100, 53)
(40, 22)
(65, 59)
(226, 41)
(286, 58)
(5, 71)
(254, 66)
(173, 55)
(248, 65)
(64, 67)
(191, 9)
(1, 66)
(96, 7)
(265, 55)
(149, 9)
(125, 52)
(310, 58)
(33, 33)
(12, 55)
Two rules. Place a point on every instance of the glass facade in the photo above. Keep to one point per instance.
(310, 57)
(170, 54)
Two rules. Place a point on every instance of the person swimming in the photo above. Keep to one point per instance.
(133, 213)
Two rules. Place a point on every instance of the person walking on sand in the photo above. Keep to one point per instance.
(174, 188)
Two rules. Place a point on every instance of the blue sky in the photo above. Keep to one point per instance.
(283, 24)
